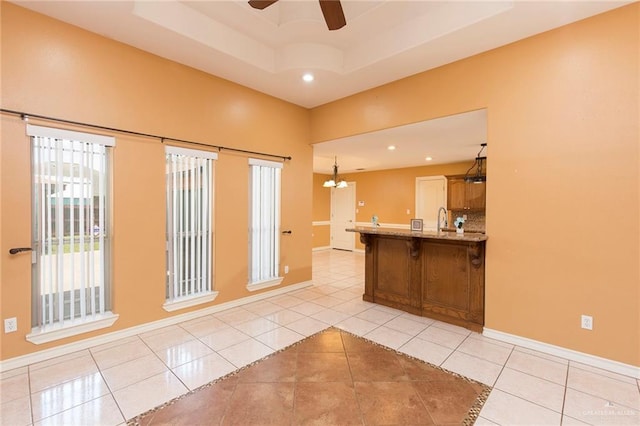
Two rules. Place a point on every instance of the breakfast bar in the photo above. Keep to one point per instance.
(436, 275)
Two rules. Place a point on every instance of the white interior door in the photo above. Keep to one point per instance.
(343, 215)
(431, 194)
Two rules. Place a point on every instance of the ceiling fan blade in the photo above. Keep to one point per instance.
(333, 14)
(261, 4)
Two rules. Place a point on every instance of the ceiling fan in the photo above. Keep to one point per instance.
(331, 9)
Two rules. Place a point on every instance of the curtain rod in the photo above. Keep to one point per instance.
(25, 115)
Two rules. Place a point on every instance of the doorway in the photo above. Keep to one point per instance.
(343, 215)
(431, 194)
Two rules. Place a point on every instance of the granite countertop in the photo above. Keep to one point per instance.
(467, 236)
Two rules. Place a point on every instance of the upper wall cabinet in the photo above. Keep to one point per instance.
(463, 195)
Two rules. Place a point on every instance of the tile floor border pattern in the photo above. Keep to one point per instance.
(472, 415)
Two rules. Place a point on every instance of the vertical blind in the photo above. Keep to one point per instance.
(189, 175)
(264, 226)
(70, 172)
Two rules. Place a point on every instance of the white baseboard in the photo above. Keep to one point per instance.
(581, 357)
(32, 358)
(321, 248)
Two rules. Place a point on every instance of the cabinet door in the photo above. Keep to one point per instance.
(446, 282)
(476, 195)
(456, 194)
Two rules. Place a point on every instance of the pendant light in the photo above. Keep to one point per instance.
(333, 181)
(478, 176)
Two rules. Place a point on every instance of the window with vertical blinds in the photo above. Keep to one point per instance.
(264, 224)
(71, 231)
(190, 196)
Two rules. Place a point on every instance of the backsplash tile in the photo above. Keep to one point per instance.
(475, 220)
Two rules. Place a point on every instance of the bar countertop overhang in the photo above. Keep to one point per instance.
(443, 235)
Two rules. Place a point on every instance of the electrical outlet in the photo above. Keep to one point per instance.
(286, 269)
(464, 216)
(10, 325)
(587, 322)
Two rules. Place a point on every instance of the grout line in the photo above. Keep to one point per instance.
(454, 350)
(531, 402)
(32, 417)
(594, 370)
(353, 382)
(564, 394)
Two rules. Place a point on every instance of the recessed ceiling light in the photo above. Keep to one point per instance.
(428, 158)
(391, 147)
(308, 77)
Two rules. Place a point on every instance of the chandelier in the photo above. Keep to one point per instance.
(333, 181)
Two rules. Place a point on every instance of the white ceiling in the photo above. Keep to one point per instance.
(446, 140)
(269, 50)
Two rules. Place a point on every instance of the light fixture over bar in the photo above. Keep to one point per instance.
(479, 176)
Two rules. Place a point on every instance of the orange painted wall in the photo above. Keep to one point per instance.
(389, 193)
(563, 188)
(321, 212)
(321, 236)
(321, 198)
(51, 68)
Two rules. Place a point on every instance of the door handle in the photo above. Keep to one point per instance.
(286, 232)
(17, 250)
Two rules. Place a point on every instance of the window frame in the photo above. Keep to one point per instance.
(175, 218)
(47, 328)
(269, 214)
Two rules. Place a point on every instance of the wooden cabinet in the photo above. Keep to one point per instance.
(476, 195)
(438, 278)
(456, 194)
(453, 289)
(463, 195)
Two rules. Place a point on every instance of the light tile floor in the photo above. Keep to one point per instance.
(110, 383)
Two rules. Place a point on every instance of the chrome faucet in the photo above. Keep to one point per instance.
(446, 222)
